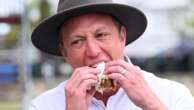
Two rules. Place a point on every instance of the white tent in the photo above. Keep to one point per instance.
(160, 35)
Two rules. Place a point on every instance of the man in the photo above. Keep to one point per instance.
(89, 32)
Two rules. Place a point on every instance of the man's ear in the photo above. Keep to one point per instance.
(123, 35)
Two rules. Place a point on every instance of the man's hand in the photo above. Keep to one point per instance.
(131, 79)
(80, 88)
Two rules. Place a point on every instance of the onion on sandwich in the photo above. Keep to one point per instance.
(103, 81)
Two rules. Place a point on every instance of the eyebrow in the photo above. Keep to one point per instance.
(76, 37)
(82, 36)
(99, 29)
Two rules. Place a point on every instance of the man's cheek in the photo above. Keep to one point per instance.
(116, 54)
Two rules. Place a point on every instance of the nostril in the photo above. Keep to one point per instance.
(93, 54)
(93, 49)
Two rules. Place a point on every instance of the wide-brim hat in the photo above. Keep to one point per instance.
(46, 35)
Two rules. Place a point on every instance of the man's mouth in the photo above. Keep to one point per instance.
(95, 65)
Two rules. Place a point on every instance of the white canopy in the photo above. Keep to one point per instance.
(158, 37)
(9, 7)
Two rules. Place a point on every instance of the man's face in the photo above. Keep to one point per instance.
(90, 39)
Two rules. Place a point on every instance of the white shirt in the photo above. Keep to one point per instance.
(174, 95)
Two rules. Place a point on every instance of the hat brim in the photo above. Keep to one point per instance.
(45, 35)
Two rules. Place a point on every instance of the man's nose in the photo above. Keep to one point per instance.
(93, 49)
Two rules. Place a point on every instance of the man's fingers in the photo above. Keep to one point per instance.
(83, 73)
(118, 78)
(119, 62)
(126, 75)
(87, 85)
(116, 69)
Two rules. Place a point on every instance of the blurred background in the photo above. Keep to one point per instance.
(166, 48)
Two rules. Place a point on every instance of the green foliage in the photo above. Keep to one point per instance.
(44, 9)
(10, 106)
(190, 22)
(12, 38)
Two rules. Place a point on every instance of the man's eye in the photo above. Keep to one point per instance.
(76, 42)
(99, 35)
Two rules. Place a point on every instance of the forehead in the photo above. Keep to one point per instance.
(87, 19)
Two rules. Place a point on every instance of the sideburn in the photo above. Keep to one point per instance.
(62, 50)
(122, 35)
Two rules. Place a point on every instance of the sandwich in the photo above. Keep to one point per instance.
(104, 82)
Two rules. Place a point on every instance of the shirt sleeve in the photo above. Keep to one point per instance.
(32, 107)
(183, 99)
